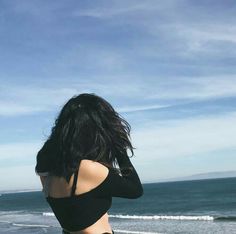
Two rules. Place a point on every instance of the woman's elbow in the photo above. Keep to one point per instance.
(138, 192)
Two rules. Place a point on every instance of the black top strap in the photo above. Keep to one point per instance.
(74, 183)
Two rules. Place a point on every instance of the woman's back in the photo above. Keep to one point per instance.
(90, 175)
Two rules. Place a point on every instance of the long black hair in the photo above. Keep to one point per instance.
(87, 127)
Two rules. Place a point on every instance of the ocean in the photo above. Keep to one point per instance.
(198, 206)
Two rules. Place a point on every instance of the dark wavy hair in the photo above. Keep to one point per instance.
(87, 127)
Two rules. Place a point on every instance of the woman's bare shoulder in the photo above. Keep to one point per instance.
(92, 170)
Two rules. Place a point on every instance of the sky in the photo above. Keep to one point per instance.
(168, 67)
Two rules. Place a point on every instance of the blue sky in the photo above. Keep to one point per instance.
(168, 67)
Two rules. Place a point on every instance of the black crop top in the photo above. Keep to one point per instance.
(77, 212)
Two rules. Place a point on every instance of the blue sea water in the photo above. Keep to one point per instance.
(199, 206)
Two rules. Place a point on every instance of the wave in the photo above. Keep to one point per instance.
(167, 217)
(24, 224)
(135, 232)
(48, 214)
(3, 221)
(30, 225)
(158, 217)
(177, 217)
(225, 218)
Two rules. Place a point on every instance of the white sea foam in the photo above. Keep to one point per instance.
(48, 214)
(29, 225)
(135, 232)
(3, 221)
(24, 224)
(157, 217)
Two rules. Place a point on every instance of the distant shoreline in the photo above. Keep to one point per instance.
(155, 182)
(20, 191)
(189, 179)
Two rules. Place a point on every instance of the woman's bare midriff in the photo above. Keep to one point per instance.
(101, 226)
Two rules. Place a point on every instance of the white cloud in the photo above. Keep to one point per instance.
(105, 13)
(196, 88)
(118, 8)
(197, 36)
(13, 157)
(21, 100)
(11, 109)
(19, 178)
(140, 108)
(19, 150)
(186, 137)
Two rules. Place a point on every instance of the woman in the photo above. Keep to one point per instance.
(78, 163)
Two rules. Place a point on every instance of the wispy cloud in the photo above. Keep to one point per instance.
(108, 12)
(157, 93)
(185, 137)
(196, 88)
(205, 38)
(140, 108)
(172, 148)
(19, 177)
(19, 151)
